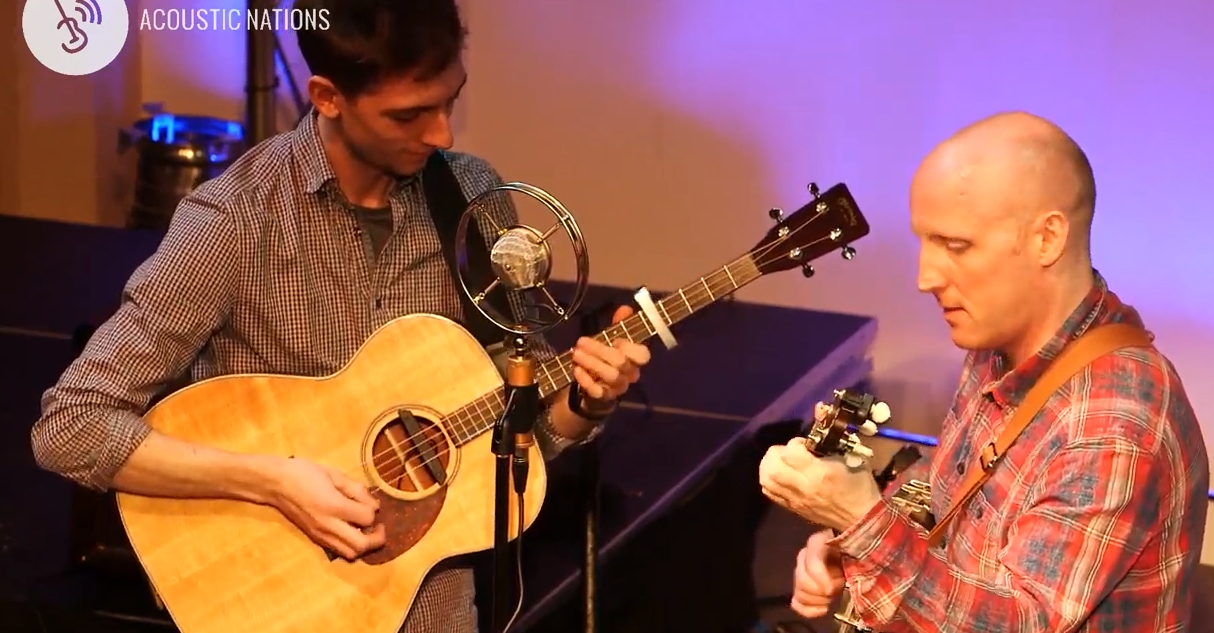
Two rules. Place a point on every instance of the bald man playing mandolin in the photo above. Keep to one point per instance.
(1093, 519)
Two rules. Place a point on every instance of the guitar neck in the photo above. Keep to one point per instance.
(556, 373)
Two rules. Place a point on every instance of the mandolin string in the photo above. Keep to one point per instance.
(493, 400)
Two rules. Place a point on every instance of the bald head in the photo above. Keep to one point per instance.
(1003, 213)
(1018, 165)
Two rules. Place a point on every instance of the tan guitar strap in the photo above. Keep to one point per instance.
(1074, 358)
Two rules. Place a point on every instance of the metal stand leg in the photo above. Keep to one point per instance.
(590, 538)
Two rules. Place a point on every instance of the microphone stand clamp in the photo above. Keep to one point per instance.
(513, 438)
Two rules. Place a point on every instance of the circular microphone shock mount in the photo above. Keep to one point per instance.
(521, 259)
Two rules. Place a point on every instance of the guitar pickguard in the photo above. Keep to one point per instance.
(406, 522)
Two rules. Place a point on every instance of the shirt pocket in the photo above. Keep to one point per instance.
(978, 536)
(987, 515)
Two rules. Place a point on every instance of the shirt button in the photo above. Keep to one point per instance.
(960, 468)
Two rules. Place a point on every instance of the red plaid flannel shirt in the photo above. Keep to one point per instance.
(1093, 521)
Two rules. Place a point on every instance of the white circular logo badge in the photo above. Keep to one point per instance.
(75, 37)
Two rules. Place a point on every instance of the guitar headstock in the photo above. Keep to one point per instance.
(830, 222)
(851, 415)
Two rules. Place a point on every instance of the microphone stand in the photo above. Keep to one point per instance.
(591, 499)
(512, 442)
(590, 537)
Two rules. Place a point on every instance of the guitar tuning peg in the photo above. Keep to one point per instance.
(813, 190)
(848, 253)
(776, 214)
(807, 270)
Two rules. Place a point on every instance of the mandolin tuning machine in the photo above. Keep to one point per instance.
(776, 214)
(851, 415)
(813, 190)
(862, 410)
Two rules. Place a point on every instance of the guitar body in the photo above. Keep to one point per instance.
(234, 567)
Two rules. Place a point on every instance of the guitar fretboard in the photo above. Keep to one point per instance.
(556, 373)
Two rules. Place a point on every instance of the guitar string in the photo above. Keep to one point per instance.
(410, 465)
(494, 399)
(466, 423)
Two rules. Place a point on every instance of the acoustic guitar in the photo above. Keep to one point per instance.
(223, 566)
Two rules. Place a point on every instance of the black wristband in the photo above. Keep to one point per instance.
(575, 405)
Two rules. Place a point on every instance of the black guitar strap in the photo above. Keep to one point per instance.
(447, 203)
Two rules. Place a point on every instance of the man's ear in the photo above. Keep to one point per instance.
(324, 96)
(1050, 234)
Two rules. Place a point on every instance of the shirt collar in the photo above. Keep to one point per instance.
(310, 153)
(1099, 307)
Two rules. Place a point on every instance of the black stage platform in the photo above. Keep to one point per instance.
(679, 500)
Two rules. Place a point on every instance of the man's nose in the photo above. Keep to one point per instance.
(929, 278)
(438, 133)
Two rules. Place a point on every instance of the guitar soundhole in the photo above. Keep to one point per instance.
(412, 455)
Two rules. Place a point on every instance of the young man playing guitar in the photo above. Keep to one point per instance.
(286, 264)
(1093, 519)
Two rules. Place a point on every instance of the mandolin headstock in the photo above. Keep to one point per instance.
(830, 222)
(852, 414)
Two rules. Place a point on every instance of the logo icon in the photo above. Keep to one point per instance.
(75, 37)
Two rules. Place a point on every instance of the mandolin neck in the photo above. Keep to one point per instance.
(556, 373)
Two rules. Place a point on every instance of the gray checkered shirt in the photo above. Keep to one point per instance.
(264, 270)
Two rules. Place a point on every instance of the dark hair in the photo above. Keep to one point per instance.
(369, 40)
